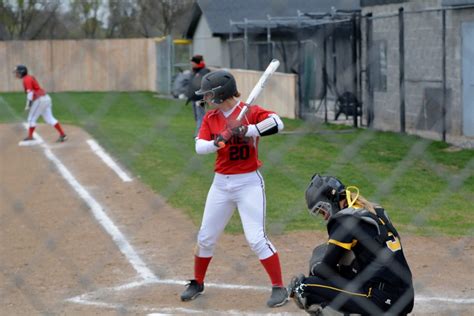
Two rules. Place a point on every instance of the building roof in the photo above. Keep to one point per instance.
(219, 13)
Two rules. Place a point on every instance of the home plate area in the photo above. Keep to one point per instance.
(79, 239)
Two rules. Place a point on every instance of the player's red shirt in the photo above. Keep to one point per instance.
(240, 155)
(30, 84)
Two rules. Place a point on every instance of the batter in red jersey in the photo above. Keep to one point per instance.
(38, 103)
(237, 182)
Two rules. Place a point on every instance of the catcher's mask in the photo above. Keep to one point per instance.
(21, 70)
(323, 195)
(217, 86)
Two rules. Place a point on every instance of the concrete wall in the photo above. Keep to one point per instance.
(209, 46)
(423, 63)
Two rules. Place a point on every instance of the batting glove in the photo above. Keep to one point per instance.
(240, 130)
(223, 138)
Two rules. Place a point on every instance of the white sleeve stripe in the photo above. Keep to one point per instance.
(266, 124)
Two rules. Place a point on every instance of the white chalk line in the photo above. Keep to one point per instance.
(119, 239)
(139, 265)
(105, 157)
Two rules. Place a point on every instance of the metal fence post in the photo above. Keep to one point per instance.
(368, 70)
(443, 113)
(401, 49)
(354, 63)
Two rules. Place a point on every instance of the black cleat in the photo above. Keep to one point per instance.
(61, 139)
(193, 290)
(294, 291)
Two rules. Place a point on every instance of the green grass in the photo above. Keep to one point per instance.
(426, 189)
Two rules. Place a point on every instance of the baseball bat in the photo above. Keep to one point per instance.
(257, 89)
(271, 68)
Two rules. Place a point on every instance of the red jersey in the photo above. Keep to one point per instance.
(30, 84)
(240, 155)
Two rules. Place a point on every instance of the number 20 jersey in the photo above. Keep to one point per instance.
(240, 155)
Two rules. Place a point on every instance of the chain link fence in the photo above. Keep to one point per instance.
(69, 227)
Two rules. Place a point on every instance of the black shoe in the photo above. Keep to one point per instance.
(279, 297)
(27, 139)
(61, 139)
(294, 291)
(193, 290)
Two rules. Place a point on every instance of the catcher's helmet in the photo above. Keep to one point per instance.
(21, 70)
(217, 86)
(324, 192)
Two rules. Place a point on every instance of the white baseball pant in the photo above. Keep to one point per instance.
(41, 107)
(246, 192)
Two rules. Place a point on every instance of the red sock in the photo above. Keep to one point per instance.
(59, 128)
(272, 265)
(200, 268)
(31, 130)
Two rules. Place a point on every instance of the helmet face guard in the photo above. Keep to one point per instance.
(323, 195)
(209, 96)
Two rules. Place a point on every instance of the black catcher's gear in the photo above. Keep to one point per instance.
(21, 70)
(217, 86)
(324, 192)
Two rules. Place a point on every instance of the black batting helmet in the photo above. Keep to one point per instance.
(217, 86)
(324, 192)
(21, 70)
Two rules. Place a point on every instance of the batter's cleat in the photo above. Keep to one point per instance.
(61, 139)
(193, 290)
(28, 139)
(279, 297)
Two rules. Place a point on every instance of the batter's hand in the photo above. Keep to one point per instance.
(240, 130)
(28, 105)
(236, 127)
(223, 138)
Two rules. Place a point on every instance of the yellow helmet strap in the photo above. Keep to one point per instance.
(350, 201)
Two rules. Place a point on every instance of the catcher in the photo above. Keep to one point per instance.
(362, 268)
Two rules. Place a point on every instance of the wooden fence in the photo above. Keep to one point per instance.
(118, 65)
(81, 65)
(279, 94)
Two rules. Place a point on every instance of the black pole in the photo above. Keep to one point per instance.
(325, 79)
(401, 43)
(368, 72)
(443, 114)
(359, 64)
(301, 105)
(334, 70)
(354, 63)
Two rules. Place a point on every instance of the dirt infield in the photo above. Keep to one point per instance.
(77, 240)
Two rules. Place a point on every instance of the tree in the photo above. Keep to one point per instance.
(88, 11)
(25, 19)
(159, 17)
(122, 19)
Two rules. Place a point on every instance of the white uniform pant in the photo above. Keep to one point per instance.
(246, 192)
(41, 107)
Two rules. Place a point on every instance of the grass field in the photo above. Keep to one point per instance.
(426, 188)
